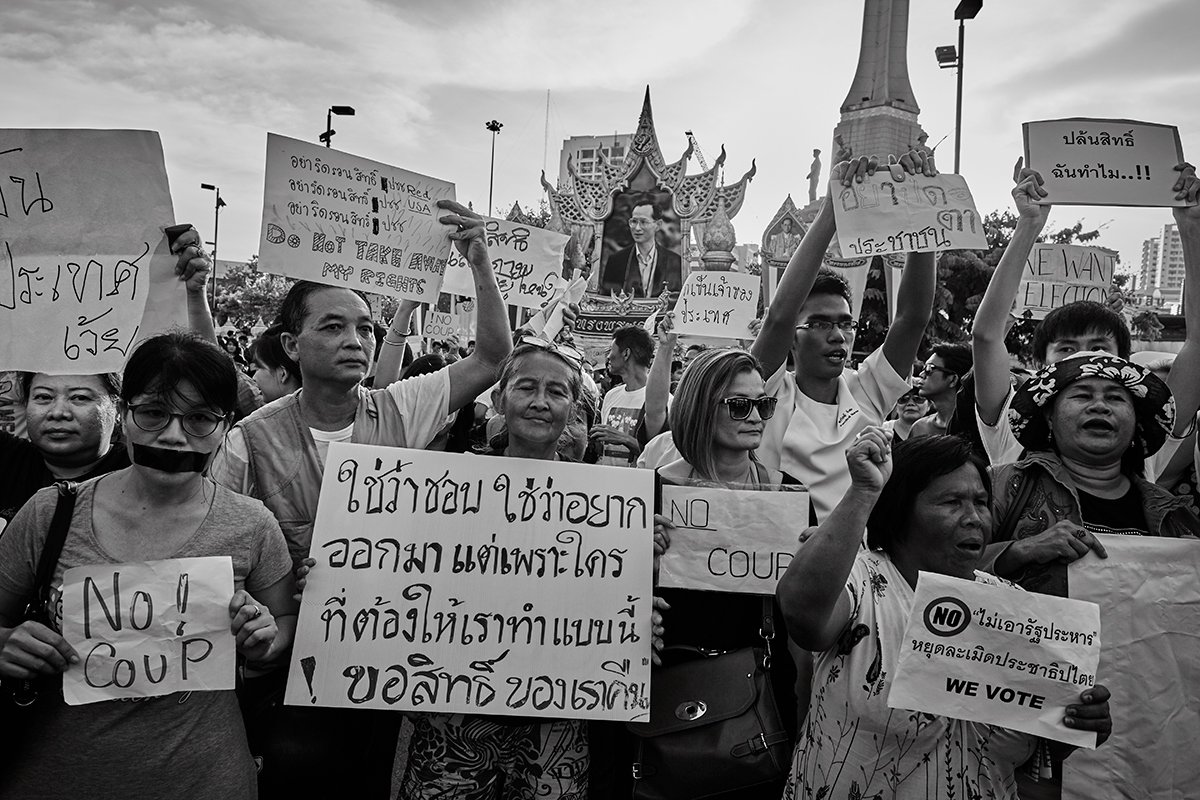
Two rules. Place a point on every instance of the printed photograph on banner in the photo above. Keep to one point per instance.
(994, 653)
(527, 262)
(1149, 600)
(729, 540)
(458, 583)
(1058, 274)
(718, 304)
(148, 629)
(83, 216)
(919, 214)
(343, 220)
(1105, 162)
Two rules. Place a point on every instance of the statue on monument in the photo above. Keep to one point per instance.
(814, 176)
(782, 244)
(844, 152)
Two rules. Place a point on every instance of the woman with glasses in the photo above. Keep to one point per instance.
(177, 397)
(717, 421)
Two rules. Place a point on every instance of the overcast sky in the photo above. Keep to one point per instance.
(765, 78)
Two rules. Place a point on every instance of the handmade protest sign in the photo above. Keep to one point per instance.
(717, 304)
(82, 214)
(1057, 274)
(148, 629)
(919, 214)
(457, 583)
(999, 655)
(1104, 162)
(548, 321)
(730, 540)
(527, 262)
(348, 221)
(1150, 661)
(439, 326)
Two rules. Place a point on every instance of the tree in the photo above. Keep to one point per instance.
(245, 295)
(534, 219)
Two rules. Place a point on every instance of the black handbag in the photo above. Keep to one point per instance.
(714, 730)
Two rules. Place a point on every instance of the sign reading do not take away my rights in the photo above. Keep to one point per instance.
(347, 221)
(484, 585)
(995, 654)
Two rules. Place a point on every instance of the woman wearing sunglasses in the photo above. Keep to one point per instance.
(717, 423)
(178, 395)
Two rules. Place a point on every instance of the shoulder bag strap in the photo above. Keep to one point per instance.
(767, 628)
(55, 537)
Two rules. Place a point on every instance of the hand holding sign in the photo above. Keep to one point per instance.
(252, 625)
(32, 649)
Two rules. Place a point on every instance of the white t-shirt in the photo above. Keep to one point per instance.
(659, 452)
(621, 409)
(810, 442)
(322, 439)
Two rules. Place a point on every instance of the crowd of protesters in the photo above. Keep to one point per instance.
(936, 457)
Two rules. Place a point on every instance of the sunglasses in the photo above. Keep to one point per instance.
(573, 357)
(739, 407)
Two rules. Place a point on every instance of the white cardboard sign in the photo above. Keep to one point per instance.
(527, 262)
(919, 214)
(1058, 274)
(718, 304)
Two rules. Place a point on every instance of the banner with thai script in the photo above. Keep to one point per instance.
(919, 214)
(1105, 162)
(1150, 601)
(527, 262)
(717, 304)
(82, 214)
(1058, 274)
(730, 540)
(148, 629)
(998, 655)
(348, 221)
(483, 585)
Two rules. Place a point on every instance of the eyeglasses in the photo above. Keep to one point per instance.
(153, 418)
(637, 222)
(739, 407)
(825, 326)
(573, 357)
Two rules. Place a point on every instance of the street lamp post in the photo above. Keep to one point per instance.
(216, 224)
(341, 111)
(494, 127)
(948, 57)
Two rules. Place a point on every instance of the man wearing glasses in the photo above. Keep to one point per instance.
(941, 379)
(646, 269)
(823, 406)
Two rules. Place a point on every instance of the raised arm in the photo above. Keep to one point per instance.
(990, 326)
(1185, 372)
(469, 377)
(812, 592)
(658, 382)
(391, 356)
(192, 267)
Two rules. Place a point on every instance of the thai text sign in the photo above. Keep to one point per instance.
(717, 304)
(82, 214)
(526, 260)
(347, 221)
(148, 629)
(1057, 274)
(729, 540)
(919, 214)
(1105, 162)
(1150, 602)
(997, 655)
(485, 585)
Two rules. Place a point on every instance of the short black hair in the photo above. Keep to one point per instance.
(646, 200)
(268, 348)
(294, 308)
(1077, 319)
(110, 380)
(915, 465)
(433, 362)
(829, 282)
(638, 341)
(956, 355)
(162, 362)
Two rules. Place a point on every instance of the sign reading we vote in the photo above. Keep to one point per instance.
(999, 655)
(1058, 274)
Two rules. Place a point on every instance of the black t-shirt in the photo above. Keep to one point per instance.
(1124, 515)
(23, 472)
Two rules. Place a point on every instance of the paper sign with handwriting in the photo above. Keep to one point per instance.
(999, 655)
(1057, 274)
(527, 262)
(455, 583)
(1105, 162)
(717, 304)
(919, 214)
(148, 629)
(729, 540)
(1150, 601)
(347, 221)
(82, 214)
(439, 326)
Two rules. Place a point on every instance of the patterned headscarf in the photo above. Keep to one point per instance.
(1153, 405)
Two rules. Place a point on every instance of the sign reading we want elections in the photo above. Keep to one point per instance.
(1058, 274)
(468, 584)
(348, 221)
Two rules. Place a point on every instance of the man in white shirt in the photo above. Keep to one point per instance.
(629, 358)
(824, 406)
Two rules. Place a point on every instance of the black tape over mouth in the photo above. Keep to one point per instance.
(166, 460)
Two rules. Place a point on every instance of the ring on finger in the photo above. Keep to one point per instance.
(1079, 534)
(257, 612)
